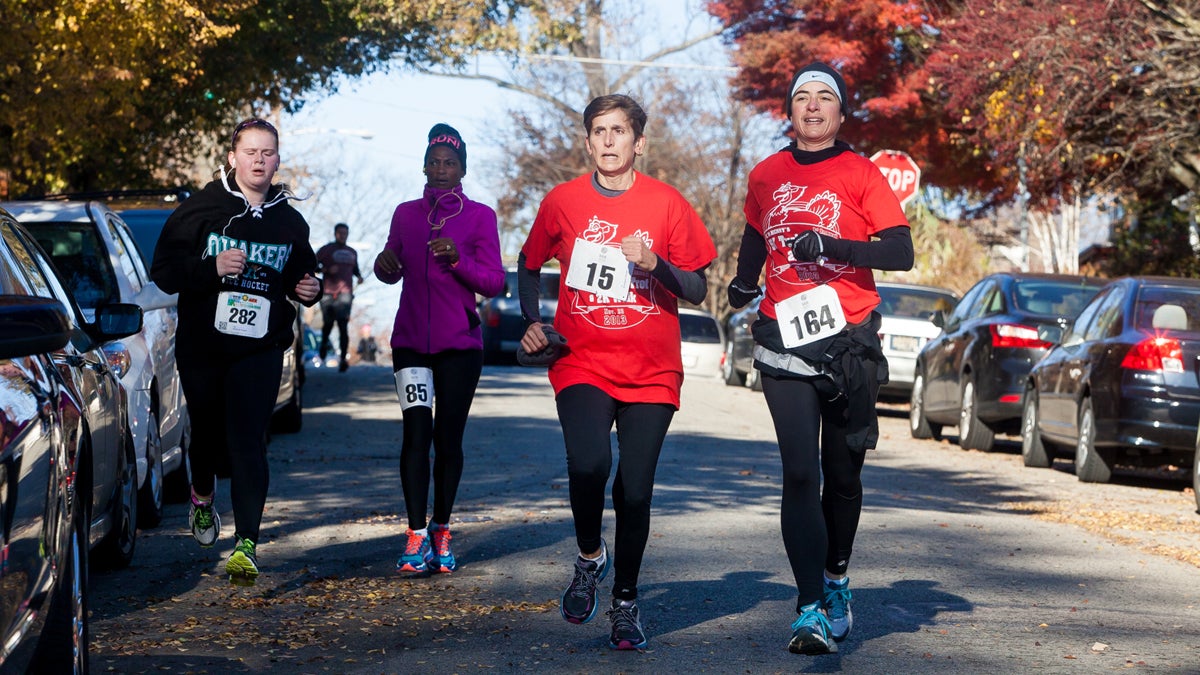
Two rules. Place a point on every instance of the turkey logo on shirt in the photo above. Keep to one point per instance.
(792, 215)
(613, 313)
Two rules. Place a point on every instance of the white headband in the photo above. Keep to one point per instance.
(817, 76)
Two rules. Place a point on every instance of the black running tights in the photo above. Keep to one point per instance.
(587, 415)
(455, 377)
(230, 405)
(818, 524)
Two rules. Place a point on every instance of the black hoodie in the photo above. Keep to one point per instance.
(275, 239)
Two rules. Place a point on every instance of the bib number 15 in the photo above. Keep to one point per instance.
(810, 316)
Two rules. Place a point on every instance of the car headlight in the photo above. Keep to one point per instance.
(117, 356)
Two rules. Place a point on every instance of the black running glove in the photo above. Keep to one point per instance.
(741, 293)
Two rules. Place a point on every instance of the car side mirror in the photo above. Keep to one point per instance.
(1051, 334)
(32, 325)
(938, 318)
(115, 321)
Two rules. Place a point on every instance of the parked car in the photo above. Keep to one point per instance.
(907, 310)
(702, 342)
(105, 483)
(737, 363)
(146, 212)
(100, 263)
(502, 324)
(973, 373)
(1121, 387)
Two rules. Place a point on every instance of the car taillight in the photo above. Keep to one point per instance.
(491, 318)
(1156, 353)
(1014, 335)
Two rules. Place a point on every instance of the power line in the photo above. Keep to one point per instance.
(620, 62)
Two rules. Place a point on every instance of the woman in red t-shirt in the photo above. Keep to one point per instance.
(820, 217)
(628, 246)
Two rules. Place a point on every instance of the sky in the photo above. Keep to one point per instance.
(366, 143)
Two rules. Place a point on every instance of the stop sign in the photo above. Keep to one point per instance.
(901, 172)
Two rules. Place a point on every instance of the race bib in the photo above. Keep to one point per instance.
(242, 314)
(599, 269)
(414, 386)
(810, 316)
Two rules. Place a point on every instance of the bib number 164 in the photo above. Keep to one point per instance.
(810, 316)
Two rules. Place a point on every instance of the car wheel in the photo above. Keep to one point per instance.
(754, 379)
(115, 551)
(973, 434)
(1196, 474)
(290, 418)
(150, 496)
(1090, 465)
(919, 425)
(731, 374)
(1033, 450)
(63, 646)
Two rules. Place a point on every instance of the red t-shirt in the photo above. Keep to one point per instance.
(628, 347)
(844, 197)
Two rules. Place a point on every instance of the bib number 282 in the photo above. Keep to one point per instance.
(242, 314)
(810, 316)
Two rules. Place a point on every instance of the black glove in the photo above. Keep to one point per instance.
(741, 293)
(546, 355)
(808, 247)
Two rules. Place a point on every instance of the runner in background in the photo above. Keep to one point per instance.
(446, 248)
(628, 246)
(820, 217)
(338, 264)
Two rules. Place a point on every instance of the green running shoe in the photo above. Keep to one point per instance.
(242, 566)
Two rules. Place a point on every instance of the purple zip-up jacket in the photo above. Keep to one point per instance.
(437, 304)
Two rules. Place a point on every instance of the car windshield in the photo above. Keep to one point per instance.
(146, 225)
(1053, 298)
(699, 328)
(1162, 308)
(913, 303)
(81, 259)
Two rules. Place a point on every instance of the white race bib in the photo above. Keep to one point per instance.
(599, 269)
(414, 386)
(810, 316)
(242, 314)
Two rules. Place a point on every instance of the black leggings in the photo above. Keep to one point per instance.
(587, 415)
(335, 312)
(455, 376)
(818, 525)
(230, 405)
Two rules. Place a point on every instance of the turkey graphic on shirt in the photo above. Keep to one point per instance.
(791, 216)
(616, 313)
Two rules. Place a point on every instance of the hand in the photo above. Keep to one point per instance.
(231, 262)
(637, 252)
(387, 262)
(444, 249)
(307, 288)
(741, 293)
(808, 247)
(534, 339)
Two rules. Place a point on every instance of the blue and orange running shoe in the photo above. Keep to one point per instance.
(417, 554)
(443, 558)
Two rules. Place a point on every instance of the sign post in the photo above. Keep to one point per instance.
(901, 172)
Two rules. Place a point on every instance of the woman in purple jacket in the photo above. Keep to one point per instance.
(446, 248)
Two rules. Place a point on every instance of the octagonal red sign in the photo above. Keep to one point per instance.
(901, 172)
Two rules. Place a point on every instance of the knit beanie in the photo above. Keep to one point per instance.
(818, 72)
(444, 134)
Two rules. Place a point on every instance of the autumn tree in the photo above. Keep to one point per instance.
(107, 93)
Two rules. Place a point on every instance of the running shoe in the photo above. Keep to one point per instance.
(810, 632)
(417, 554)
(242, 565)
(837, 608)
(205, 522)
(579, 600)
(627, 630)
(443, 558)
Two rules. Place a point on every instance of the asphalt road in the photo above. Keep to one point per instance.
(966, 562)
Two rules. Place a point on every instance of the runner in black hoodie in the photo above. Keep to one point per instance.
(235, 253)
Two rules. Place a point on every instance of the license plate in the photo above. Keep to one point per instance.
(906, 343)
